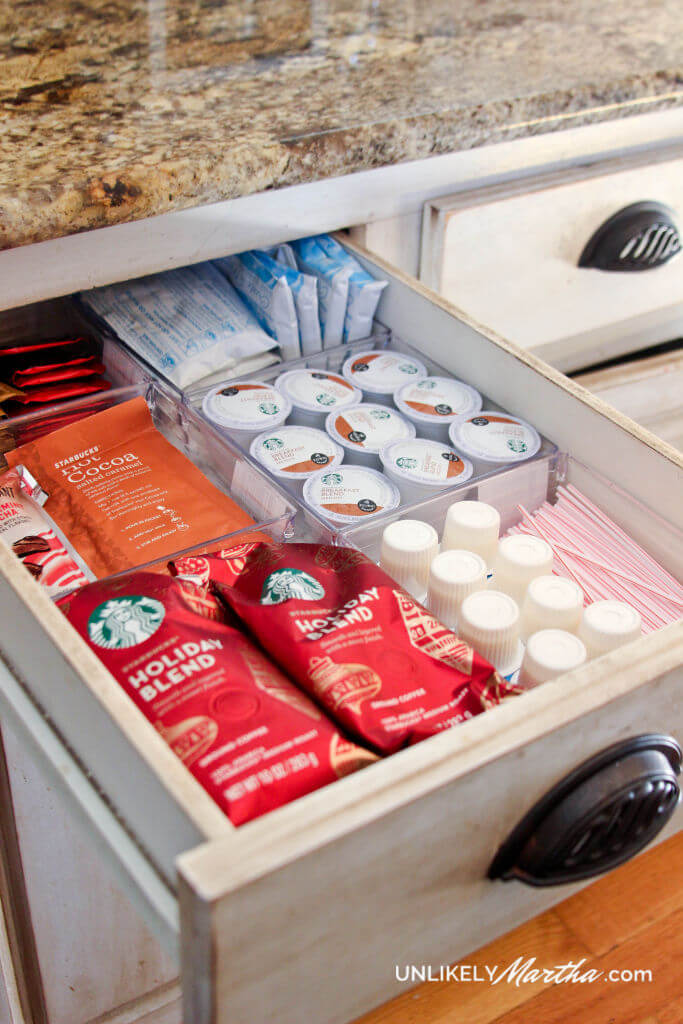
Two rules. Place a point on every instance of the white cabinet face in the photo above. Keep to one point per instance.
(95, 952)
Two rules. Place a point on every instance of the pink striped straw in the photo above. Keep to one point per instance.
(602, 558)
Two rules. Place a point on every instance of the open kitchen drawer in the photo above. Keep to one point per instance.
(301, 915)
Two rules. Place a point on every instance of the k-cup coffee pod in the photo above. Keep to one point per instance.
(380, 372)
(494, 439)
(472, 526)
(246, 408)
(293, 453)
(420, 467)
(551, 602)
(408, 549)
(550, 653)
(433, 403)
(519, 560)
(606, 625)
(365, 430)
(489, 621)
(453, 575)
(314, 394)
(350, 494)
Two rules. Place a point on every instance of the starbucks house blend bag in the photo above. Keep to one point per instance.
(121, 493)
(378, 662)
(246, 733)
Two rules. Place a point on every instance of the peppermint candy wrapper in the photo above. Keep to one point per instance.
(248, 735)
(378, 662)
(34, 538)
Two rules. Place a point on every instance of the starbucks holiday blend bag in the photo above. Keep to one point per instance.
(248, 735)
(375, 660)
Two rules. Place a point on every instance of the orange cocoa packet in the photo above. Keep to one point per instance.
(121, 493)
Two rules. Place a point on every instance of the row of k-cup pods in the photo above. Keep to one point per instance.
(501, 595)
(369, 417)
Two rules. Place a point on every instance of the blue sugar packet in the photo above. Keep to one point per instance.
(363, 291)
(332, 276)
(263, 285)
(280, 260)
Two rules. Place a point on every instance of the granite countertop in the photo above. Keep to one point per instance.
(114, 110)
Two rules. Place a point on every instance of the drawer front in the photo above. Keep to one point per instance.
(509, 256)
(310, 922)
(392, 861)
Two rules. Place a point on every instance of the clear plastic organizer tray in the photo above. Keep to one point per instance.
(310, 522)
(220, 462)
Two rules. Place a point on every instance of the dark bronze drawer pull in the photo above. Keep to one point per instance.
(597, 817)
(638, 237)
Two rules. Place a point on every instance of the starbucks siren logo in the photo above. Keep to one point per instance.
(125, 621)
(379, 414)
(405, 462)
(288, 584)
(517, 446)
(332, 478)
(323, 399)
(268, 408)
(273, 444)
(407, 368)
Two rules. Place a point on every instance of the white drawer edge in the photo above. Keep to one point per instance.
(131, 869)
(217, 867)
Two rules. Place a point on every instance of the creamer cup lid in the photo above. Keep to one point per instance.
(421, 460)
(382, 371)
(437, 399)
(295, 452)
(350, 494)
(317, 390)
(495, 437)
(246, 405)
(368, 427)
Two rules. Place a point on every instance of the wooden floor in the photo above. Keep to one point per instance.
(632, 919)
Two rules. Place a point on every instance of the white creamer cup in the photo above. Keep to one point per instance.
(433, 403)
(349, 495)
(420, 467)
(379, 373)
(494, 439)
(365, 430)
(293, 453)
(314, 394)
(245, 408)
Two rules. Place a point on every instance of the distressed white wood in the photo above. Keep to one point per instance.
(57, 267)
(162, 1006)
(509, 256)
(39, 764)
(94, 949)
(648, 390)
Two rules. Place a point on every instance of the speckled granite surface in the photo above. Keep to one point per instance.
(113, 110)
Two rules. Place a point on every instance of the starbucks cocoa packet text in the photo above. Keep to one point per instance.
(121, 493)
(378, 662)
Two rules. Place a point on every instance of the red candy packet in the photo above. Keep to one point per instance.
(378, 662)
(32, 376)
(246, 733)
(62, 391)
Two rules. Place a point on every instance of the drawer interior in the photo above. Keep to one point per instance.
(149, 790)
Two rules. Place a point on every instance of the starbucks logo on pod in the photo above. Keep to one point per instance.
(290, 584)
(273, 444)
(125, 621)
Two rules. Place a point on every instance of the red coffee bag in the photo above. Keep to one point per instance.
(351, 637)
(246, 733)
